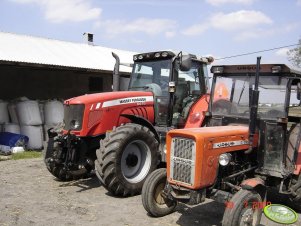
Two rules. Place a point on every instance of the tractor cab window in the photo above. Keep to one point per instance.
(294, 105)
(272, 97)
(188, 86)
(191, 79)
(151, 75)
(232, 95)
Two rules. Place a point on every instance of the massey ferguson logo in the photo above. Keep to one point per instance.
(132, 100)
(230, 143)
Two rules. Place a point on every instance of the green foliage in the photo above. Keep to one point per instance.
(27, 155)
(294, 55)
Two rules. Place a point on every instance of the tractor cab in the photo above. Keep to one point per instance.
(176, 81)
(277, 125)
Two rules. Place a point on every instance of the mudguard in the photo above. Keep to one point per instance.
(252, 183)
(142, 121)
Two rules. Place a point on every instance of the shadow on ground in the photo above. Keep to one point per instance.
(83, 184)
(210, 213)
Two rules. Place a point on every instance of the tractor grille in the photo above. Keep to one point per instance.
(182, 160)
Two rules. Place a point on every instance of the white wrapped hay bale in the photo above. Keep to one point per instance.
(41, 108)
(35, 135)
(29, 113)
(53, 112)
(11, 128)
(45, 134)
(4, 117)
(12, 110)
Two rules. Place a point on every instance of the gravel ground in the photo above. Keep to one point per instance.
(29, 195)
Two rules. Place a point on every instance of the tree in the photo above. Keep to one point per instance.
(294, 55)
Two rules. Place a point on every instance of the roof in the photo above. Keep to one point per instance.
(251, 68)
(15, 48)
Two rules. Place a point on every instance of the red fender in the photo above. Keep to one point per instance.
(252, 183)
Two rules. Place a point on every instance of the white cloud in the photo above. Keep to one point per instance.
(239, 20)
(59, 11)
(141, 25)
(170, 34)
(263, 33)
(242, 20)
(196, 29)
(282, 52)
(222, 2)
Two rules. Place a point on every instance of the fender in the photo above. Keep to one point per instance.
(142, 121)
(252, 183)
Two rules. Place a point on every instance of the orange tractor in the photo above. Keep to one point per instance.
(167, 90)
(250, 144)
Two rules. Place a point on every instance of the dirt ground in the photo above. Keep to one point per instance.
(29, 195)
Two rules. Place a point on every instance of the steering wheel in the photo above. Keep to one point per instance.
(223, 107)
(154, 88)
(274, 113)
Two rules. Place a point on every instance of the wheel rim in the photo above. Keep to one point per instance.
(157, 195)
(136, 161)
(248, 216)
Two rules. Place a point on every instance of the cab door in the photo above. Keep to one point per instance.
(293, 152)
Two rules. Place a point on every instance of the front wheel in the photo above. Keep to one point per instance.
(55, 160)
(55, 166)
(244, 209)
(125, 158)
(153, 201)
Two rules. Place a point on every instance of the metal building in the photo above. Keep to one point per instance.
(41, 68)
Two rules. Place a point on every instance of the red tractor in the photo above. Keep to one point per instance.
(248, 147)
(167, 90)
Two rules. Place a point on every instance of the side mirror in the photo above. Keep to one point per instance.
(299, 91)
(185, 64)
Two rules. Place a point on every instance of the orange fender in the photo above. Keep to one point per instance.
(250, 184)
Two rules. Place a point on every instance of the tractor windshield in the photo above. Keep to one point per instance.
(155, 75)
(151, 74)
(232, 95)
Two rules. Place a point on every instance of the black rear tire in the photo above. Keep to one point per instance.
(125, 158)
(244, 209)
(152, 200)
(295, 202)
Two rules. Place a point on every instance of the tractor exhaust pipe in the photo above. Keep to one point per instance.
(254, 108)
(116, 76)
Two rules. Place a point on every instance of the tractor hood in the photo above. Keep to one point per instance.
(123, 96)
(198, 149)
(94, 114)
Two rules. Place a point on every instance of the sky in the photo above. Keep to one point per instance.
(219, 28)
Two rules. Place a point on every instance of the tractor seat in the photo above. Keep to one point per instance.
(154, 88)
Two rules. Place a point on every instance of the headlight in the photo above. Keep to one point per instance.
(217, 69)
(224, 159)
(74, 124)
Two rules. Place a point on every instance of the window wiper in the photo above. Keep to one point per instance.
(242, 91)
(139, 87)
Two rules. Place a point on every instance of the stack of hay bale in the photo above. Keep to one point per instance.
(31, 118)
